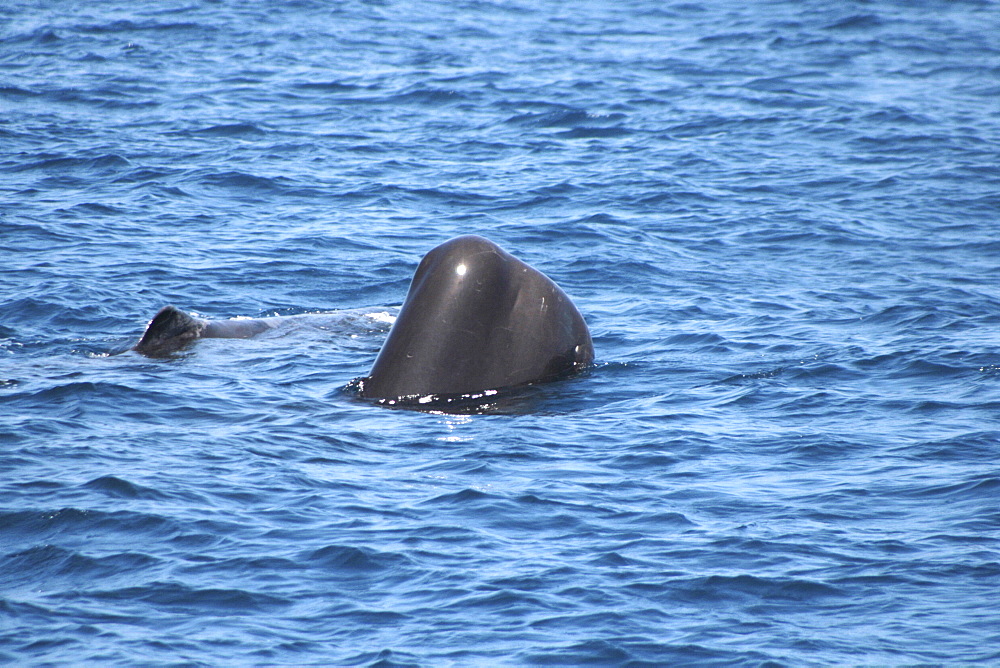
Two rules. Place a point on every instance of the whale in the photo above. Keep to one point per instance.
(475, 319)
(172, 330)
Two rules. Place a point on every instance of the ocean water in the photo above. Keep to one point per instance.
(781, 221)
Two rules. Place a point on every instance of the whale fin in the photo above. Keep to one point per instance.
(170, 330)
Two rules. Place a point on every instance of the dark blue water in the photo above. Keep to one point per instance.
(781, 221)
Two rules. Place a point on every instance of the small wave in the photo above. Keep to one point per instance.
(985, 488)
(826, 371)
(657, 520)
(231, 130)
(30, 520)
(101, 98)
(932, 406)
(504, 602)
(896, 116)
(34, 563)
(347, 559)
(591, 132)
(557, 118)
(614, 560)
(326, 86)
(94, 208)
(128, 26)
(15, 92)
(42, 525)
(40, 36)
(464, 497)
(428, 96)
(103, 164)
(700, 342)
(604, 652)
(737, 38)
(740, 587)
(122, 489)
(172, 595)
(856, 22)
(906, 367)
(645, 461)
(977, 445)
(29, 236)
(145, 174)
(73, 391)
(45, 562)
(40, 313)
(242, 181)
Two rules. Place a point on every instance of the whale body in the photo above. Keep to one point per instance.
(171, 330)
(475, 318)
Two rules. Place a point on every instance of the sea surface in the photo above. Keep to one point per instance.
(780, 219)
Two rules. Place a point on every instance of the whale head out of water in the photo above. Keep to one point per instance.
(476, 318)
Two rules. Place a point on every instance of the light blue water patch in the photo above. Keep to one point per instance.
(780, 222)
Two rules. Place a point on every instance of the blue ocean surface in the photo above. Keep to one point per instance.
(781, 221)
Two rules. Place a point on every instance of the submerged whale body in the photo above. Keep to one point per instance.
(475, 319)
